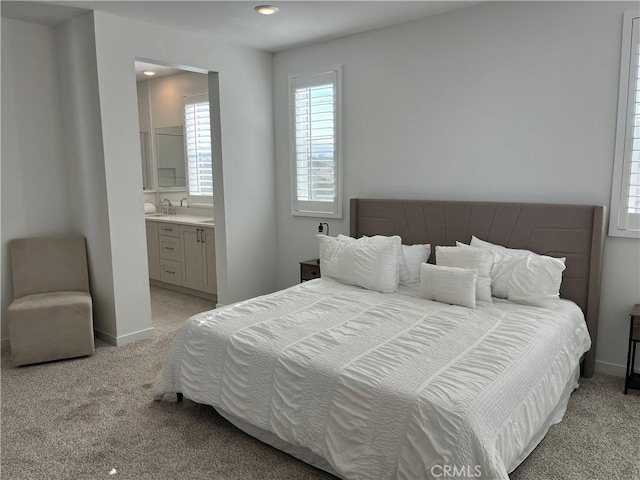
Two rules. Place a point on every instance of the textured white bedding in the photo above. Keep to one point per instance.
(384, 386)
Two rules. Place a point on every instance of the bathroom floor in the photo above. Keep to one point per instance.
(169, 309)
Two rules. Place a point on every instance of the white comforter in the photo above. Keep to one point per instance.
(384, 386)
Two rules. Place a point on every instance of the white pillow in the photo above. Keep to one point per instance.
(370, 263)
(501, 272)
(476, 242)
(347, 238)
(335, 261)
(506, 260)
(456, 286)
(535, 280)
(470, 257)
(412, 257)
(373, 239)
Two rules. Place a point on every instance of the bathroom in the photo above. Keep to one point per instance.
(176, 152)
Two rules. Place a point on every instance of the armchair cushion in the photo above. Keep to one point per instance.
(50, 326)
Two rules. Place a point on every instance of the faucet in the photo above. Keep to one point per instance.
(168, 207)
(185, 201)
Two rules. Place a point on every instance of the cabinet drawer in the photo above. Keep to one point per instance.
(170, 248)
(169, 229)
(635, 333)
(171, 271)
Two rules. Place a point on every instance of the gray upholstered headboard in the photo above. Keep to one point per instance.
(572, 231)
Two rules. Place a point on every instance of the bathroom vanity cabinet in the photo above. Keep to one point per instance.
(181, 253)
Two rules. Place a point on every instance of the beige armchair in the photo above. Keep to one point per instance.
(51, 316)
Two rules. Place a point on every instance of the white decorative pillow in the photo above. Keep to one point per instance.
(535, 280)
(412, 257)
(501, 272)
(336, 261)
(371, 263)
(473, 258)
(456, 286)
(476, 242)
(373, 239)
(346, 238)
(506, 260)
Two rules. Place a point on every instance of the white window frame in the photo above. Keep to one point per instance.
(621, 222)
(310, 208)
(195, 200)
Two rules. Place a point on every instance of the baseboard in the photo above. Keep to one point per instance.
(124, 339)
(135, 336)
(219, 305)
(105, 337)
(610, 368)
(5, 345)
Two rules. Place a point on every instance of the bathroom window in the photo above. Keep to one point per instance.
(197, 140)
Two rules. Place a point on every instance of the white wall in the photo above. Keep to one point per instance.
(244, 205)
(85, 168)
(35, 198)
(497, 102)
(167, 96)
(91, 185)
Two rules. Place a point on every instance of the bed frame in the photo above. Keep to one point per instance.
(572, 231)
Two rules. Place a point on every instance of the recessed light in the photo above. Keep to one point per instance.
(266, 9)
(149, 73)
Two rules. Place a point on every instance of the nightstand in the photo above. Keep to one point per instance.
(632, 379)
(309, 270)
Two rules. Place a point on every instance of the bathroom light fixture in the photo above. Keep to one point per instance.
(149, 73)
(266, 9)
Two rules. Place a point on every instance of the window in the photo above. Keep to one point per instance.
(197, 141)
(625, 196)
(315, 140)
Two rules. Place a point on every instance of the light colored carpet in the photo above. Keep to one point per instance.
(79, 419)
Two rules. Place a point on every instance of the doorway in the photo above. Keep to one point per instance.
(176, 154)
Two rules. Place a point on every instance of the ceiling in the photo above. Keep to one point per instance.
(298, 23)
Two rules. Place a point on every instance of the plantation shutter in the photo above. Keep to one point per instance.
(197, 125)
(315, 118)
(624, 220)
(632, 172)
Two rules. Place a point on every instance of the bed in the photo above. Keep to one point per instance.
(368, 385)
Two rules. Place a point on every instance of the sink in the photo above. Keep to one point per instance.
(207, 221)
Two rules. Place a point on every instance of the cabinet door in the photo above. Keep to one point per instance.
(192, 259)
(153, 250)
(209, 253)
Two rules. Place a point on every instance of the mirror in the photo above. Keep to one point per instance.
(170, 158)
(145, 154)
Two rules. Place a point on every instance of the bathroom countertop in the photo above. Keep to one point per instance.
(181, 218)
